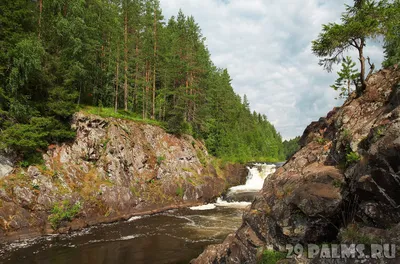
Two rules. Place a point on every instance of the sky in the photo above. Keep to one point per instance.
(266, 47)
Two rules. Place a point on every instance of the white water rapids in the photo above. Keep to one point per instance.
(254, 183)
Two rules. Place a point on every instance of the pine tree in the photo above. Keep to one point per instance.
(362, 21)
(348, 76)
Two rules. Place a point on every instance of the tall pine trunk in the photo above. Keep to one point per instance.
(362, 70)
(154, 66)
(126, 62)
(40, 17)
(116, 84)
(146, 91)
(135, 90)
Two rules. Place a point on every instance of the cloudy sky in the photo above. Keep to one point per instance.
(266, 47)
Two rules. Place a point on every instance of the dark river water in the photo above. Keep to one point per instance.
(175, 236)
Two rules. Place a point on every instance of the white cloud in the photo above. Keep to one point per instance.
(266, 46)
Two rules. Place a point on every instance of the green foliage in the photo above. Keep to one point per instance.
(271, 257)
(321, 140)
(27, 138)
(180, 192)
(365, 20)
(290, 147)
(392, 39)
(109, 54)
(352, 157)
(63, 211)
(353, 234)
(35, 185)
(346, 136)
(160, 159)
(358, 23)
(337, 183)
(348, 76)
(62, 102)
(126, 115)
(201, 157)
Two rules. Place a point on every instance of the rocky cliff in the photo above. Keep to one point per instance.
(113, 170)
(342, 186)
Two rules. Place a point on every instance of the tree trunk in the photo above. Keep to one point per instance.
(135, 91)
(116, 87)
(362, 72)
(40, 17)
(348, 87)
(187, 99)
(145, 96)
(154, 66)
(126, 62)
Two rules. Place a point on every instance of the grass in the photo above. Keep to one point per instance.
(353, 234)
(202, 158)
(63, 211)
(109, 112)
(321, 140)
(271, 256)
(160, 159)
(180, 192)
(135, 191)
(346, 136)
(337, 183)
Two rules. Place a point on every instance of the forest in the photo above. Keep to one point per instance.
(58, 57)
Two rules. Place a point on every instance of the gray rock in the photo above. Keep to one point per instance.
(6, 166)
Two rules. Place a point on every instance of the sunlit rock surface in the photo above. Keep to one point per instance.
(114, 169)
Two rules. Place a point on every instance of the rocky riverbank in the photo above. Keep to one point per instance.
(342, 186)
(113, 170)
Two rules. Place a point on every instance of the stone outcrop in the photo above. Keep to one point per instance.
(6, 164)
(342, 183)
(114, 169)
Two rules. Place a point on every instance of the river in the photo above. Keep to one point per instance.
(175, 236)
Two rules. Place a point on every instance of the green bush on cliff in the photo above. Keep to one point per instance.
(352, 157)
(271, 257)
(37, 134)
(63, 211)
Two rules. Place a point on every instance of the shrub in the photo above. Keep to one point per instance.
(321, 140)
(346, 136)
(27, 138)
(272, 257)
(352, 157)
(63, 211)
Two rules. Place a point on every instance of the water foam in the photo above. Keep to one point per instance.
(254, 183)
(134, 218)
(222, 203)
(255, 178)
(203, 207)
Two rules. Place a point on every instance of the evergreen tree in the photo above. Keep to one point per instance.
(392, 39)
(348, 76)
(56, 55)
(360, 22)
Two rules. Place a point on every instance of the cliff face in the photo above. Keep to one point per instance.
(343, 185)
(113, 170)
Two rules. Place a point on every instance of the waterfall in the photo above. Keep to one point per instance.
(255, 178)
(243, 195)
